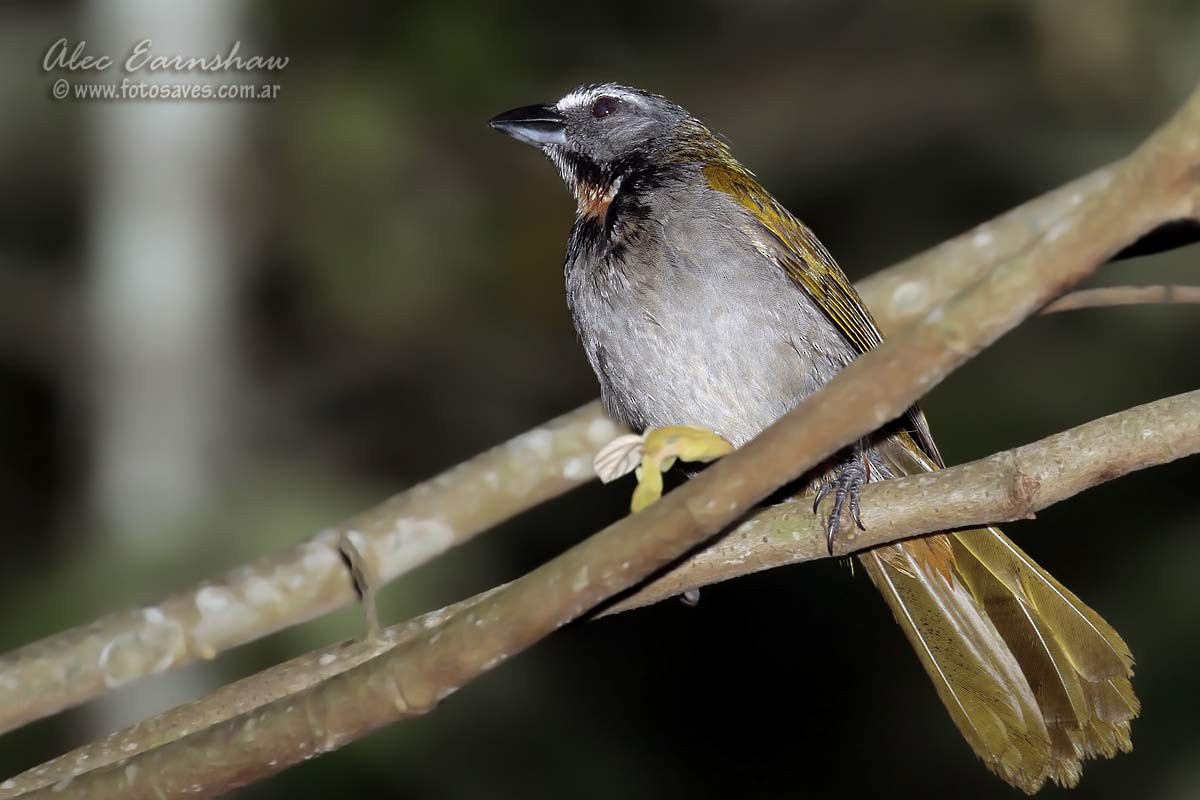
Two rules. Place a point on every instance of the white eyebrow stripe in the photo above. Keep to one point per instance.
(575, 99)
(579, 98)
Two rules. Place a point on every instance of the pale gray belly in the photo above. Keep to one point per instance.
(700, 348)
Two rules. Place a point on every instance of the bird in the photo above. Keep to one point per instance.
(707, 311)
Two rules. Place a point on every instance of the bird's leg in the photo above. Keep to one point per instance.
(850, 475)
(655, 452)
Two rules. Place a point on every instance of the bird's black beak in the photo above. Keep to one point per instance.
(535, 125)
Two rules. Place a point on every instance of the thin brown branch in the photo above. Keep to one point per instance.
(1124, 296)
(1006, 486)
(278, 591)
(309, 579)
(240, 697)
(1154, 184)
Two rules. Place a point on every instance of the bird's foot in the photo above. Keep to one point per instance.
(655, 452)
(846, 485)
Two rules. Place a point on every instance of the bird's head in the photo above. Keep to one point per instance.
(600, 134)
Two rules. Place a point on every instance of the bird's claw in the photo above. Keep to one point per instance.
(846, 486)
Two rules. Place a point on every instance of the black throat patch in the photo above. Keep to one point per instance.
(611, 200)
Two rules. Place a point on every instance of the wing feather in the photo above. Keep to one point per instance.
(800, 254)
(1034, 679)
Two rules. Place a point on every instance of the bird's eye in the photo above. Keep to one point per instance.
(604, 106)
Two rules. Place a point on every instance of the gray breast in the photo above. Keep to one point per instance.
(688, 322)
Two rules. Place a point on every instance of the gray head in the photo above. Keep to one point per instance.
(599, 132)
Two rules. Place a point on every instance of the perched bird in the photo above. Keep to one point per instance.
(701, 301)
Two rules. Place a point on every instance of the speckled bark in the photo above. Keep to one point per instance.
(310, 579)
(1006, 486)
(1039, 254)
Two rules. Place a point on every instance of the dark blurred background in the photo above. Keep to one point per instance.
(224, 326)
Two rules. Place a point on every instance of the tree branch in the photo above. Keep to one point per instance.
(305, 581)
(1073, 231)
(1005, 486)
(1124, 296)
(904, 292)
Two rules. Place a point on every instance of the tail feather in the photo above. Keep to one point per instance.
(1095, 649)
(975, 674)
(991, 626)
(1035, 680)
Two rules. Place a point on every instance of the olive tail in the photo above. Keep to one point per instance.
(1034, 679)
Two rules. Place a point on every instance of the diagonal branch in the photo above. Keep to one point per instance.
(904, 292)
(1000, 488)
(1157, 182)
(304, 581)
(282, 590)
(1009, 485)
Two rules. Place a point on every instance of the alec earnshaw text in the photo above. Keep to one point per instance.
(142, 58)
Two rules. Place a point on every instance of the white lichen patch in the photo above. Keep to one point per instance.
(222, 615)
(148, 650)
(539, 442)
(982, 238)
(581, 579)
(492, 479)
(211, 599)
(435, 618)
(319, 559)
(326, 659)
(576, 469)
(1058, 230)
(330, 537)
(910, 297)
(410, 543)
(261, 592)
(601, 430)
